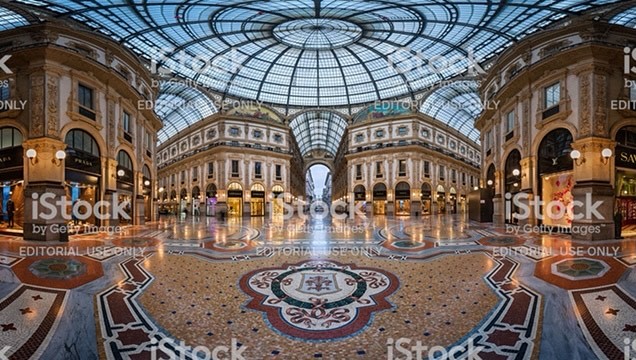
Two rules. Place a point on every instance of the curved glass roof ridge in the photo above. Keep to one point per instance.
(320, 54)
(457, 105)
(11, 19)
(180, 106)
(318, 130)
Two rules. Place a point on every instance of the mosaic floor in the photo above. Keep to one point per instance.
(377, 288)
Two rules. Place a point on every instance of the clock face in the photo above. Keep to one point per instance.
(440, 139)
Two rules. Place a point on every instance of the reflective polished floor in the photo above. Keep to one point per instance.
(369, 288)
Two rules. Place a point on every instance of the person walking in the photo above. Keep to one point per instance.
(10, 212)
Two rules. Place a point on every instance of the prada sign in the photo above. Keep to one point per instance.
(625, 157)
(235, 193)
(81, 161)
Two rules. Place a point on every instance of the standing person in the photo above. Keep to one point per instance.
(618, 221)
(10, 211)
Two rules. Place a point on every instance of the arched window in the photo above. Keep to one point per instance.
(10, 137)
(124, 161)
(554, 152)
(80, 140)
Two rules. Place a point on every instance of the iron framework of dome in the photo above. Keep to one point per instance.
(316, 54)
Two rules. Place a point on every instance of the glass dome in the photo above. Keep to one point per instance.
(321, 54)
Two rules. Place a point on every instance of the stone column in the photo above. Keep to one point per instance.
(44, 176)
(593, 190)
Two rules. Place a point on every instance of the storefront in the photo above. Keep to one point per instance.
(211, 200)
(512, 184)
(441, 200)
(235, 200)
(147, 192)
(626, 177)
(490, 179)
(426, 199)
(196, 201)
(402, 199)
(257, 200)
(82, 174)
(183, 201)
(360, 197)
(452, 201)
(125, 185)
(11, 175)
(174, 208)
(556, 178)
(379, 199)
(277, 202)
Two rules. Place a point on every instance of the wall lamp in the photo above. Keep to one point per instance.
(147, 182)
(489, 182)
(606, 155)
(60, 155)
(120, 173)
(31, 154)
(576, 156)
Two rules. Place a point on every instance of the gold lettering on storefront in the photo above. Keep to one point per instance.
(628, 158)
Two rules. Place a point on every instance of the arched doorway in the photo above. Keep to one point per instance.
(441, 199)
(235, 199)
(147, 192)
(183, 202)
(12, 175)
(174, 207)
(379, 199)
(125, 184)
(360, 197)
(210, 200)
(318, 186)
(402, 199)
(426, 198)
(512, 183)
(490, 179)
(257, 200)
(278, 200)
(452, 200)
(556, 177)
(196, 199)
(83, 172)
(625, 178)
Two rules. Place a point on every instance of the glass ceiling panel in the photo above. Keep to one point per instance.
(180, 106)
(318, 130)
(10, 19)
(626, 18)
(457, 105)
